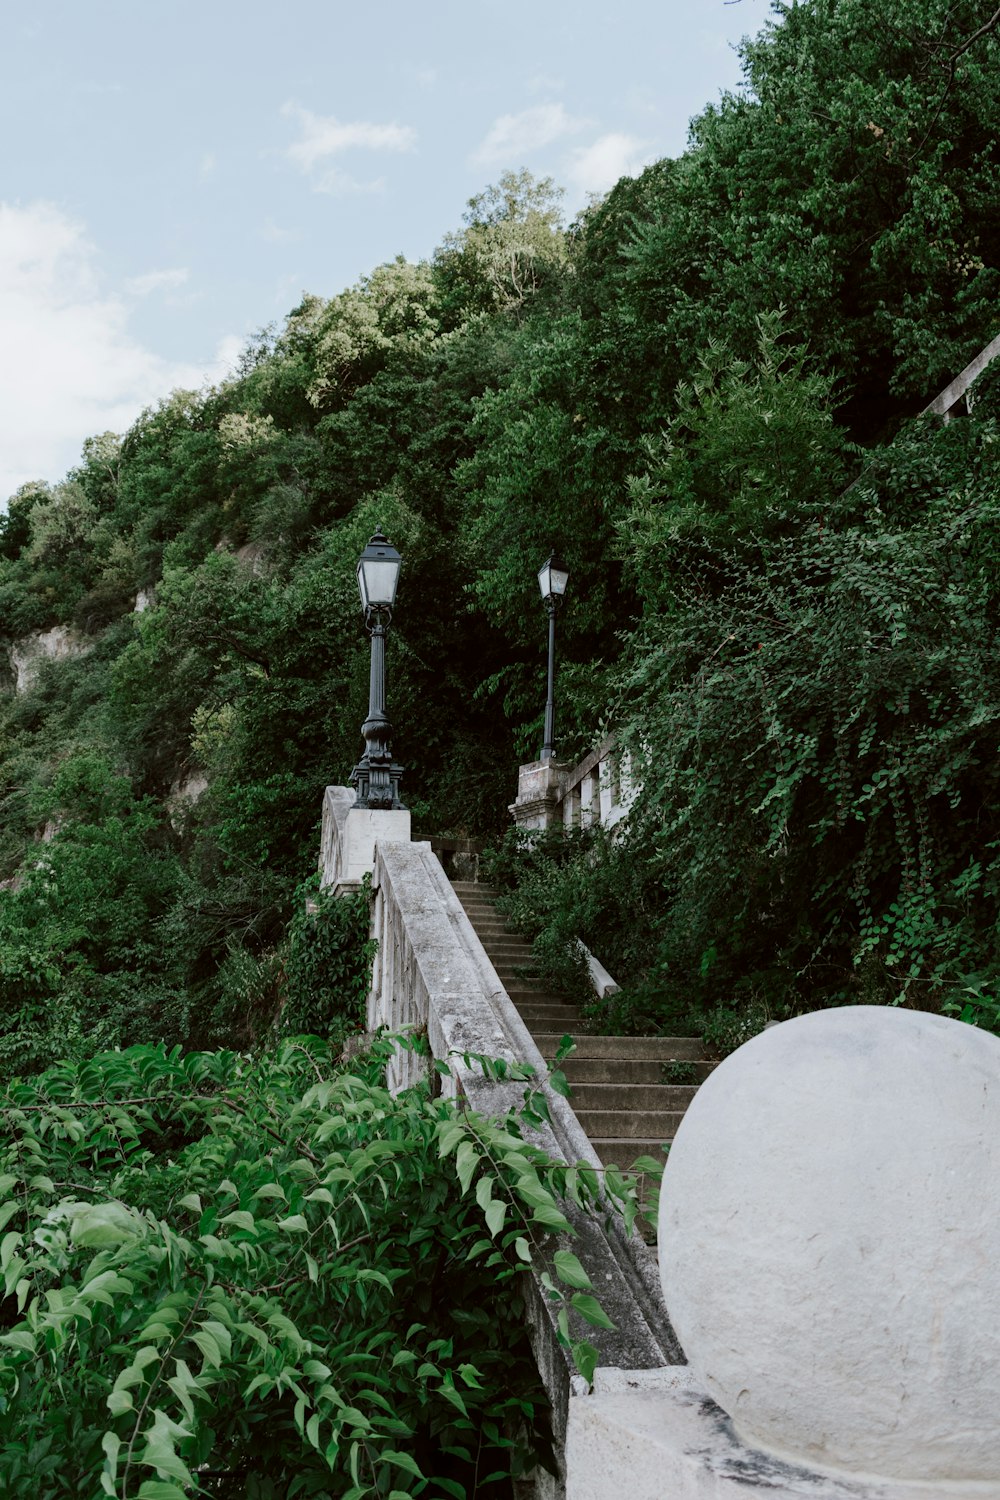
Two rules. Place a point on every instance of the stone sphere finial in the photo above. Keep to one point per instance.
(830, 1244)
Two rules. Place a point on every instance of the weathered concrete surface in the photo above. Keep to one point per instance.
(829, 1240)
(945, 403)
(184, 793)
(654, 1435)
(601, 981)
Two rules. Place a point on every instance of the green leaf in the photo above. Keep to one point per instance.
(560, 1083)
(550, 1216)
(271, 1190)
(590, 1309)
(569, 1270)
(496, 1212)
(401, 1460)
(585, 1357)
(104, 1225)
(449, 1133)
(240, 1219)
(11, 1242)
(294, 1224)
(466, 1162)
(209, 1347)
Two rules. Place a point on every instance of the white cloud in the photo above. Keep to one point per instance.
(157, 281)
(513, 136)
(336, 180)
(71, 367)
(323, 136)
(596, 168)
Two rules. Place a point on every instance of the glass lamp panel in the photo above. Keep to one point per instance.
(378, 573)
(552, 578)
(377, 579)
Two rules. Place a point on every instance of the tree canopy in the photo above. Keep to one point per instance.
(703, 392)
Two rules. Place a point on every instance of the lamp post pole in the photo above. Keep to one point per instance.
(553, 577)
(376, 776)
(548, 748)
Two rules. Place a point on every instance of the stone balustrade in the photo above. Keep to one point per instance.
(598, 789)
(433, 979)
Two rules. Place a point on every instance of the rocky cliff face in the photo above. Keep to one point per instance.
(29, 653)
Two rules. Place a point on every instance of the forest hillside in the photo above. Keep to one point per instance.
(705, 394)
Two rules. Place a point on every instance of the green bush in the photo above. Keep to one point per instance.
(327, 962)
(263, 1278)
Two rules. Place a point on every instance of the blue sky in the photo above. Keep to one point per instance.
(174, 175)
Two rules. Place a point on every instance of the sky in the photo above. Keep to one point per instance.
(173, 175)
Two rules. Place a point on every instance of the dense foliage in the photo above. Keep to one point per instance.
(781, 591)
(269, 1279)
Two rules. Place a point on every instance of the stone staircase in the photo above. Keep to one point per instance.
(621, 1089)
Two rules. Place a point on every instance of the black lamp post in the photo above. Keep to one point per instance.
(376, 776)
(553, 577)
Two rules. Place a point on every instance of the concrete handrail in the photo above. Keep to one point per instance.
(433, 975)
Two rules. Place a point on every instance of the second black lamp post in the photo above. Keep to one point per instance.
(376, 776)
(553, 577)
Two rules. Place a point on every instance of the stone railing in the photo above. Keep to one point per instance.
(433, 978)
(599, 789)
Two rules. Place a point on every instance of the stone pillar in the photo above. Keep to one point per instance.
(539, 795)
(350, 834)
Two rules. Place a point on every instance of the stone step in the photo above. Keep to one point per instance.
(538, 1016)
(580, 1070)
(630, 1124)
(509, 949)
(532, 995)
(644, 1097)
(622, 1152)
(622, 1093)
(645, 1048)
